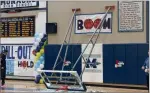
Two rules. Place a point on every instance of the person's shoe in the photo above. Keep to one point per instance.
(3, 86)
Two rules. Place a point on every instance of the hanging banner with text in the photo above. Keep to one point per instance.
(6, 4)
(130, 16)
(94, 69)
(88, 23)
(19, 60)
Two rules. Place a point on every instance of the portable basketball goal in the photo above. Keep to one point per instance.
(70, 80)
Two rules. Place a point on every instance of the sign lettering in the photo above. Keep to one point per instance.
(4, 4)
(89, 23)
(19, 60)
(130, 16)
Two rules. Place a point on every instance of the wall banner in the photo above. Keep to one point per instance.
(94, 69)
(131, 16)
(19, 59)
(88, 23)
(6, 4)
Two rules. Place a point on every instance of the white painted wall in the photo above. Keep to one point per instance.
(39, 24)
(42, 4)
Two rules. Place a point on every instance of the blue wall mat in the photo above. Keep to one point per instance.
(133, 56)
(131, 70)
(142, 55)
(68, 57)
(51, 52)
(75, 54)
(119, 54)
(108, 64)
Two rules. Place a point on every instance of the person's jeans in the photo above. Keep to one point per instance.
(147, 79)
(3, 75)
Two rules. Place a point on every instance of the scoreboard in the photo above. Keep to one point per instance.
(17, 26)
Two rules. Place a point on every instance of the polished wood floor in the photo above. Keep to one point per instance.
(30, 87)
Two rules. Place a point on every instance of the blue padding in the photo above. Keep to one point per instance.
(76, 53)
(108, 64)
(119, 54)
(131, 70)
(132, 55)
(51, 52)
(142, 55)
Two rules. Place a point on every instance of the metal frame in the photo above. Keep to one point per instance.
(91, 40)
(68, 34)
(52, 86)
(67, 42)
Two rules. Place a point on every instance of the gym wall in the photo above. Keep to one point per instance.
(20, 48)
(39, 24)
(61, 12)
(131, 55)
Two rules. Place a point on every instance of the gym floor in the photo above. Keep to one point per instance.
(29, 86)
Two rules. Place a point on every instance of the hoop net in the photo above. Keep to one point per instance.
(62, 80)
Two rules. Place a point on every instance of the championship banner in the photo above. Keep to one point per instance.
(94, 69)
(88, 23)
(19, 60)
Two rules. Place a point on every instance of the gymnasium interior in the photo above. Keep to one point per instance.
(75, 46)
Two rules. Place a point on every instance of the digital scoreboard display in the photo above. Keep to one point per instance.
(17, 26)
